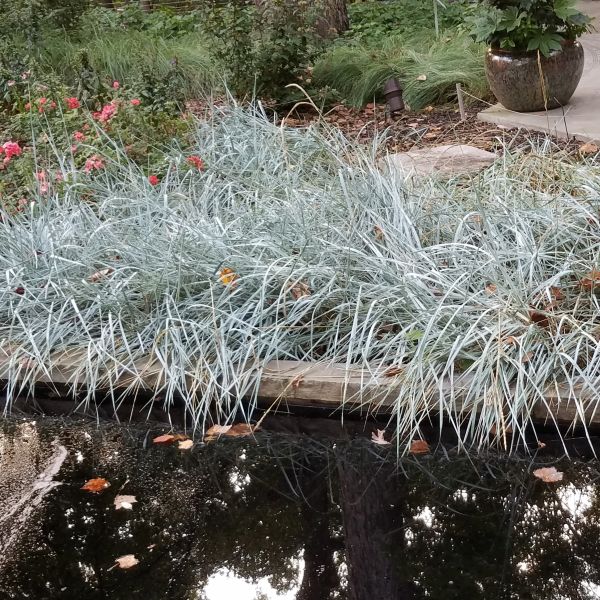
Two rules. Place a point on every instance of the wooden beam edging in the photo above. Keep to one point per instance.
(288, 384)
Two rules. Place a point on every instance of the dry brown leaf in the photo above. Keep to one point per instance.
(96, 485)
(491, 289)
(186, 444)
(511, 340)
(539, 318)
(228, 276)
(124, 501)
(378, 232)
(419, 447)
(98, 275)
(527, 357)
(588, 148)
(377, 438)
(548, 474)
(393, 371)
(167, 438)
(218, 430)
(126, 562)
(300, 290)
(591, 280)
(241, 429)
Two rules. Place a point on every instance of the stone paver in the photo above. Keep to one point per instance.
(455, 159)
(581, 117)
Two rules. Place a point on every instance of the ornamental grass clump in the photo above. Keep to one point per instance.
(477, 295)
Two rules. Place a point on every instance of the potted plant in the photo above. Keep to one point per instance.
(534, 61)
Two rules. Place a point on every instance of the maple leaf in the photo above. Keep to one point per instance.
(548, 474)
(377, 438)
(127, 561)
(124, 501)
(96, 485)
(419, 447)
(228, 276)
(186, 444)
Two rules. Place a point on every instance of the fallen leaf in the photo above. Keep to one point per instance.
(539, 318)
(511, 340)
(591, 280)
(124, 501)
(491, 289)
(419, 447)
(126, 562)
(393, 371)
(296, 381)
(556, 293)
(218, 430)
(186, 444)
(588, 148)
(377, 438)
(422, 77)
(95, 486)
(167, 438)
(429, 108)
(300, 290)
(541, 445)
(379, 235)
(241, 429)
(527, 357)
(98, 275)
(228, 276)
(548, 474)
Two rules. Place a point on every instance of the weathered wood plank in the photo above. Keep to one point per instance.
(334, 387)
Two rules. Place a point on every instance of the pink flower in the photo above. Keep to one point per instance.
(135, 102)
(107, 113)
(197, 162)
(72, 103)
(78, 136)
(94, 163)
(153, 180)
(28, 106)
(74, 148)
(52, 105)
(42, 101)
(116, 85)
(11, 149)
(41, 176)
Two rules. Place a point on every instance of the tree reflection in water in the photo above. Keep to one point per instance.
(323, 518)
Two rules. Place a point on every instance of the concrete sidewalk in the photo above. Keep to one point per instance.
(581, 117)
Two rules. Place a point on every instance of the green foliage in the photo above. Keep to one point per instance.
(359, 72)
(375, 21)
(528, 25)
(263, 49)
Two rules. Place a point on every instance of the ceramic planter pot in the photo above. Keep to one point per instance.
(515, 80)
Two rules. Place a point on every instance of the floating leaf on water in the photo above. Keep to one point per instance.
(548, 474)
(96, 485)
(124, 501)
(377, 438)
(186, 444)
(127, 561)
(419, 447)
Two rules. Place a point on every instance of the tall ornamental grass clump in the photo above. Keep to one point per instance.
(428, 70)
(477, 295)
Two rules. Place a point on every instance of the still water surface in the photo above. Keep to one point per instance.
(295, 517)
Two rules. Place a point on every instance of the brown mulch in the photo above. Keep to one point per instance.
(433, 126)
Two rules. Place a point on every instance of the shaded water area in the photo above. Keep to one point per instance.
(287, 516)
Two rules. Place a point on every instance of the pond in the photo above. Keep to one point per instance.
(301, 516)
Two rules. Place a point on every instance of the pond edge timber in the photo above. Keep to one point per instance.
(286, 385)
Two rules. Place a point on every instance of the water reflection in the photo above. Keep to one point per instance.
(290, 516)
